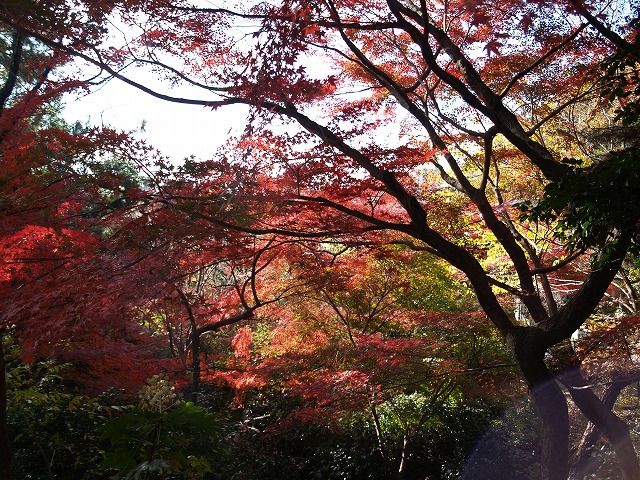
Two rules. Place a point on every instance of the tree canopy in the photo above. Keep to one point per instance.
(494, 139)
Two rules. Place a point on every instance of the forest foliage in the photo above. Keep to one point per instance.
(420, 255)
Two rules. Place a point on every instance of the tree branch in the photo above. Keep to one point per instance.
(14, 67)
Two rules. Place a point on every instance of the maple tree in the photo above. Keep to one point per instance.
(63, 192)
(87, 252)
(429, 121)
(29, 250)
(210, 288)
(358, 340)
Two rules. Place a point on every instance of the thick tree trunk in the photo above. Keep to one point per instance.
(5, 451)
(584, 459)
(600, 414)
(584, 463)
(550, 403)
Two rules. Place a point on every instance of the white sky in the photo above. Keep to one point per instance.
(178, 131)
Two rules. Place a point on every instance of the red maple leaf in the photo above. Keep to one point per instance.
(493, 46)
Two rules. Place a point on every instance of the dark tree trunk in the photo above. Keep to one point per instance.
(602, 421)
(195, 347)
(195, 365)
(598, 412)
(549, 401)
(5, 451)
